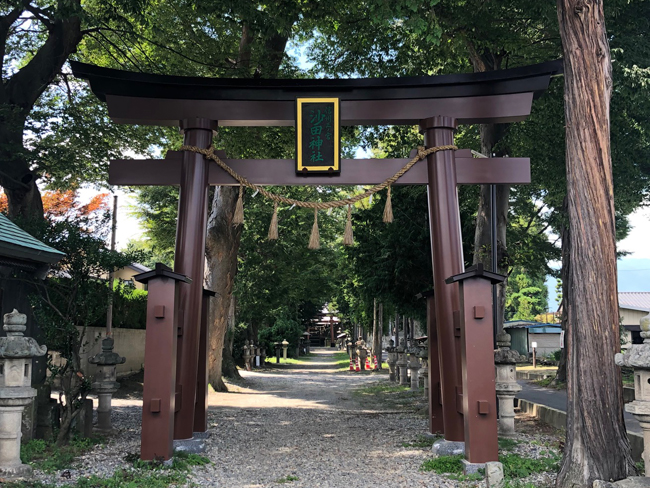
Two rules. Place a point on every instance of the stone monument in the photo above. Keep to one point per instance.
(414, 367)
(16, 353)
(505, 363)
(106, 382)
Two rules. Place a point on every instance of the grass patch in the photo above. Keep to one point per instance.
(541, 369)
(287, 479)
(301, 360)
(506, 444)
(548, 383)
(421, 442)
(444, 465)
(515, 466)
(45, 456)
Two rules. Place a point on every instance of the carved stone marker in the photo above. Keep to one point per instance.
(414, 367)
(16, 353)
(402, 365)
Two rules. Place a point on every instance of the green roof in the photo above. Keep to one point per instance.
(15, 243)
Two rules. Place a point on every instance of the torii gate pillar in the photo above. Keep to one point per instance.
(447, 255)
(188, 260)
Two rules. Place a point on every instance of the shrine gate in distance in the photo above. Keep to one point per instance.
(462, 396)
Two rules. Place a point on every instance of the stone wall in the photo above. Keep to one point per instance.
(128, 343)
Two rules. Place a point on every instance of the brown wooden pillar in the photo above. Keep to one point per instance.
(158, 398)
(188, 260)
(447, 254)
(479, 398)
(436, 424)
(201, 405)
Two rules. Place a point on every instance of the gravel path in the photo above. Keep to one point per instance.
(305, 423)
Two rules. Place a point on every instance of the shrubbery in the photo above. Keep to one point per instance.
(283, 329)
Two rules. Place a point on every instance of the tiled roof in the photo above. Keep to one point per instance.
(18, 244)
(634, 300)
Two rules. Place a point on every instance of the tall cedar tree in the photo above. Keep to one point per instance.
(597, 446)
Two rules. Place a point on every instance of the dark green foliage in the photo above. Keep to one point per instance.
(72, 299)
(515, 466)
(526, 295)
(283, 329)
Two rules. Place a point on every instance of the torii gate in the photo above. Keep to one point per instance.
(199, 105)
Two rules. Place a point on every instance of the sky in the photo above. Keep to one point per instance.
(633, 269)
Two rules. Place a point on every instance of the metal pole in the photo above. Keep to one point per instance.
(493, 249)
(111, 275)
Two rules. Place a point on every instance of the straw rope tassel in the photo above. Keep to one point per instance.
(314, 239)
(273, 228)
(238, 218)
(388, 209)
(348, 238)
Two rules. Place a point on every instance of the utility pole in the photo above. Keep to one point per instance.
(111, 275)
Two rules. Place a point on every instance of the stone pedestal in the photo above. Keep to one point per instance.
(247, 355)
(414, 367)
(285, 346)
(16, 353)
(105, 382)
(506, 385)
(638, 357)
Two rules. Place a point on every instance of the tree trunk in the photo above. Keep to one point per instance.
(596, 446)
(560, 377)
(228, 365)
(377, 329)
(222, 245)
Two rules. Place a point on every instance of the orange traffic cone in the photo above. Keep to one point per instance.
(367, 362)
(358, 368)
(351, 365)
(374, 359)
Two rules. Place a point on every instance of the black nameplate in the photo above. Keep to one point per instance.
(317, 136)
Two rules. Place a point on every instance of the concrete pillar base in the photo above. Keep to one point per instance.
(403, 375)
(193, 445)
(447, 448)
(201, 435)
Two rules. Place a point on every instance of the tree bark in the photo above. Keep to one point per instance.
(228, 365)
(222, 245)
(597, 446)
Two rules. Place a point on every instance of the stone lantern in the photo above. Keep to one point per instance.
(392, 360)
(247, 355)
(638, 357)
(414, 368)
(16, 353)
(402, 364)
(105, 384)
(285, 346)
(423, 354)
(506, 386)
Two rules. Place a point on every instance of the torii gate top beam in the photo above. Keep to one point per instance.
(490, 97)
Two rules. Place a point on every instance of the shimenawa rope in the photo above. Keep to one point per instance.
(314, 240)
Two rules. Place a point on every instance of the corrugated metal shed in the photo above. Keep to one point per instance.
(15, 243)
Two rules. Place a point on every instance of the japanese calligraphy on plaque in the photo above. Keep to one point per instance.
(317, 135)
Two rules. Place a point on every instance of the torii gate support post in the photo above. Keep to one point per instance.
(436, 424)
(158, 398)
(201, 406)
(447, 255)
(477, 353)
(188, 260)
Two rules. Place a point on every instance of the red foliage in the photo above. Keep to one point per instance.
(64, 204)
